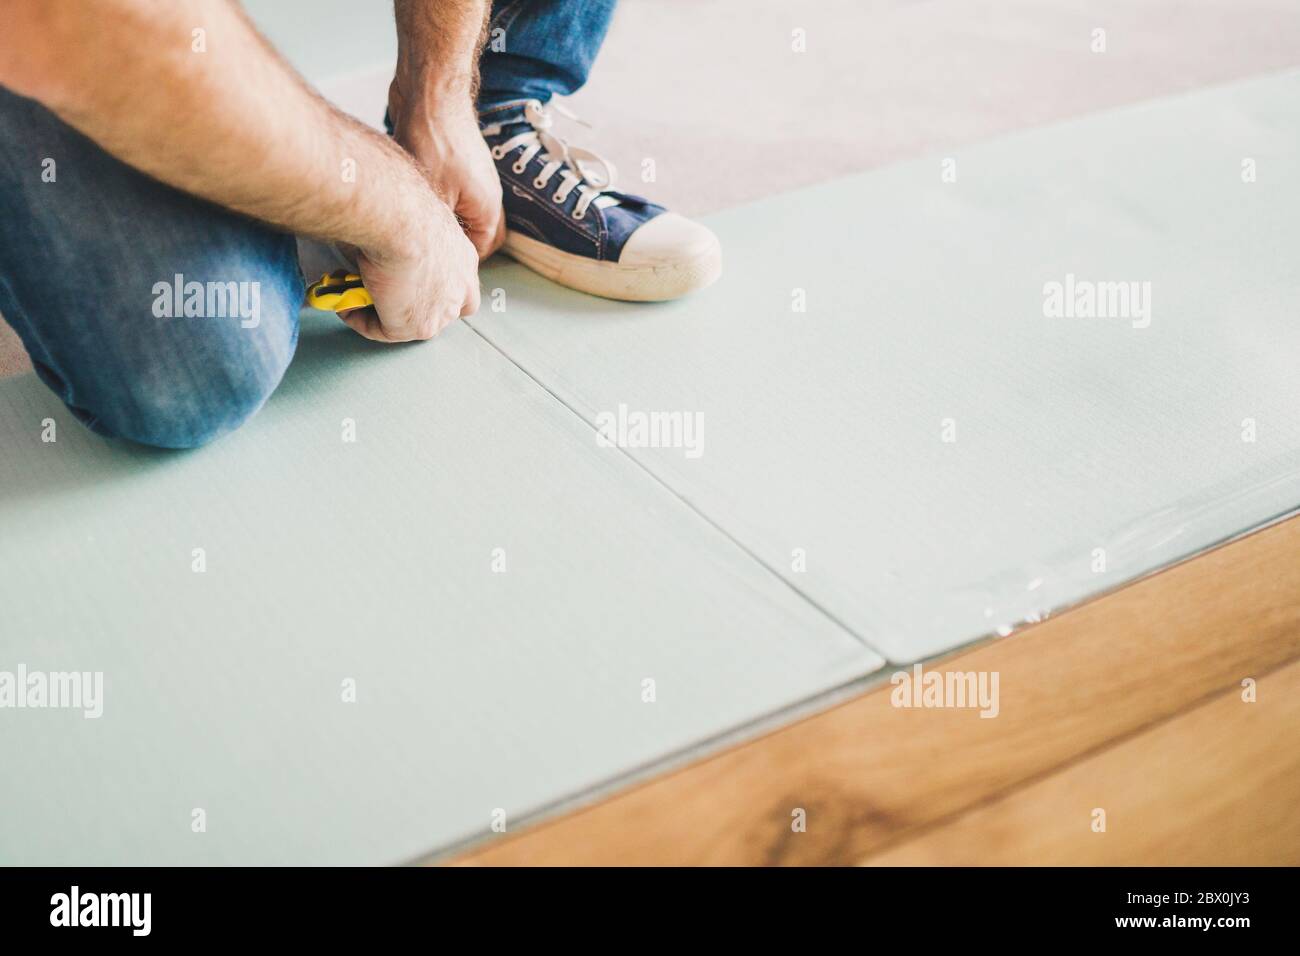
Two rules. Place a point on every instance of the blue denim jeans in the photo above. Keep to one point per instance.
(537, 49)
(87, 245)
(166, 320)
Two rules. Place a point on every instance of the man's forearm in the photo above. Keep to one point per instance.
(432, 104)
(438, 46)
(217, 114)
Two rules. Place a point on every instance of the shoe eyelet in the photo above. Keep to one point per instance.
(557, 198)
(519, 167)
(497, 152)
(580, 215)
(539, 182)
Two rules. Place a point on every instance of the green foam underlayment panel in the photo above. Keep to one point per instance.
(891, 383)
(479, 685)
(326, 39)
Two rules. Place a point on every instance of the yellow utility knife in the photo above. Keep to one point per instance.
(338, 291)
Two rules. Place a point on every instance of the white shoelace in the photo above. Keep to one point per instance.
(580, 169)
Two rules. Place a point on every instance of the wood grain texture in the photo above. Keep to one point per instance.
(869, 774)
(1217, 786)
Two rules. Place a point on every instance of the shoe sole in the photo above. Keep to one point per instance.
(610, 280)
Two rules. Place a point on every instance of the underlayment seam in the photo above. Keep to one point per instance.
(1024, 618)
(676, 494)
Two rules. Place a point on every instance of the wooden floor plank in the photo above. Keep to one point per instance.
(868, 774)
(1218, 785)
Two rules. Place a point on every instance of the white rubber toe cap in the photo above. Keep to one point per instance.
(669, 240)
(665, 258)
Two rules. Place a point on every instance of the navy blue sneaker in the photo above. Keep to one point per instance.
(564, 221)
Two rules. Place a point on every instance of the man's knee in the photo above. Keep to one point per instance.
(192, 319)
(220, 378)
(189, 412)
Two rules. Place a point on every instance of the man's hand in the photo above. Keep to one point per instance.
(431, 104)
(446, 141)
(422, 285)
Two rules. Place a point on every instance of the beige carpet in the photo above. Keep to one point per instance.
(713, 93)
